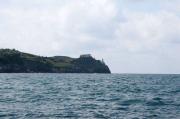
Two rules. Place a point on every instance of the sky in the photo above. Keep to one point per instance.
(132, 36)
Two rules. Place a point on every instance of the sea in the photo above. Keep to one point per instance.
(89, 96)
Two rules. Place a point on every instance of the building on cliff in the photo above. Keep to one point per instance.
(86, 56)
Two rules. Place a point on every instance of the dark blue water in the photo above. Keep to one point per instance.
(82, 96)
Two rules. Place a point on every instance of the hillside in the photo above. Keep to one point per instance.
(13, 61)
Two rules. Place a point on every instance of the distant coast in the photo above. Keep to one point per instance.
(14, 61)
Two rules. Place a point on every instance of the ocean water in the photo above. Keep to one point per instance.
(89, 96)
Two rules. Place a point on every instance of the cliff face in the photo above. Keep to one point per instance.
(13, 61)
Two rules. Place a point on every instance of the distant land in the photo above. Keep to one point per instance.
(14, 61)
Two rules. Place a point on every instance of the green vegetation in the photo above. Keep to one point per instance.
(13, 61)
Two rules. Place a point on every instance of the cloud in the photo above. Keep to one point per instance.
(143, 32)
(72, 25)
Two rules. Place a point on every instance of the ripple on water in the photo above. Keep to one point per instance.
(131, 102)
(156, 102)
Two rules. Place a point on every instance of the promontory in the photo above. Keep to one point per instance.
(14, 61)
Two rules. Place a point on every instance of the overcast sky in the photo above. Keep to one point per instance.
(133, 36)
